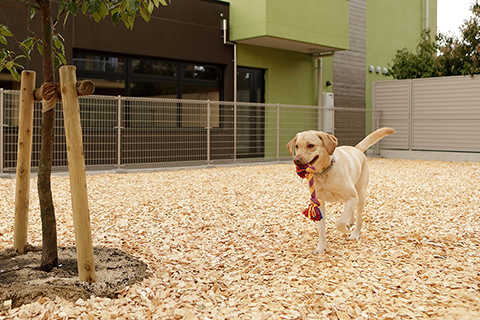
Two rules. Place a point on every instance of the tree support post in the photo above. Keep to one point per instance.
(76, 169)
(22, 189)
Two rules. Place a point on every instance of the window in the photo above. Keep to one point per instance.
(147, 77)
(152, 67)
(99, 62)
(191, 71)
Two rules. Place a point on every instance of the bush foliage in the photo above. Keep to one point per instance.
(445, 55)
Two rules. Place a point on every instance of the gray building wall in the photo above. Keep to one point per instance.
(349, 77)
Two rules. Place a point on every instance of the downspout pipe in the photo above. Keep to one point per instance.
(234, 44)
(427, 15)
(319, 57)
(224, 28)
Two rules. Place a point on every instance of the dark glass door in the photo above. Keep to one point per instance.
(250, 119)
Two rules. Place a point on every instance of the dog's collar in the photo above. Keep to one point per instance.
(325, 171)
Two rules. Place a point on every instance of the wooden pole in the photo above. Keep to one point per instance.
(76, 169)
(22, 189)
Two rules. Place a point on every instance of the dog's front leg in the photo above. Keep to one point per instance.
(345, 221)
(322, 238)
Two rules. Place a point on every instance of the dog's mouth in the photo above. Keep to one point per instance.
(313, 161)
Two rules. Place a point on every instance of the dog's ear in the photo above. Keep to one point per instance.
(291, 145)
(329, 141)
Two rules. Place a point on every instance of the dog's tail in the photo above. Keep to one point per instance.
(373, 137)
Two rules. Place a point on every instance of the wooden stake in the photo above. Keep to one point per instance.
(76, 169)
(22, 189)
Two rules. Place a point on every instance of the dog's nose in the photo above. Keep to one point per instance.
(297, 161)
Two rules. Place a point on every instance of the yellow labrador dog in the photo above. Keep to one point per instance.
(341, 175)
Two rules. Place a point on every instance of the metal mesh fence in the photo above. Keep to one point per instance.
(127, 132)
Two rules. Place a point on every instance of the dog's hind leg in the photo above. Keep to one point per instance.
(322, 238)
(362, 196)
(358, 225)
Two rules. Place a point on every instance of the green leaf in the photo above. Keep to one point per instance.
(163, 2)
(61, 5)
(128, 19)
(4, 31)
(96, 17)
(103, 10)
(33, 12)
(116, 17)
(58, 44)
(134, 4)
(56, 62)
(15, 74)
(28, 43)
(93, 6)
(150, 7)
(62, 58)
(84, 7)
(72, 7)
(40, 48)
(145, 14)
(3, 40)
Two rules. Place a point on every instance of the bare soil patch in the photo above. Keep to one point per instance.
(22, 282)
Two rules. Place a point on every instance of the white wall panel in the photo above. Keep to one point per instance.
(392, 98)
(434, 114)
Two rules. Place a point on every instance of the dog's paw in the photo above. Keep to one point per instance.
(354, 236)
(321, 248)
(318, 252)
(342, 227)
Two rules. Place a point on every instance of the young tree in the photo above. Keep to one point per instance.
(50, 45)
(421, 64)
(446, 56)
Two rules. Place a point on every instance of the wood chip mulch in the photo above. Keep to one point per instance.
(231, 243)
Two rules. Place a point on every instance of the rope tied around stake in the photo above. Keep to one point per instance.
(313, 211)
(49, 95)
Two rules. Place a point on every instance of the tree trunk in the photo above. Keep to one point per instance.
(47, 210)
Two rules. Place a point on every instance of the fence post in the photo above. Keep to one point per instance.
(24, 157)
(333, 120)
(2, 147)
(375, 126)
(278, 131)
(235, 131)
(119, 132)
(209, 114)
(76, 168)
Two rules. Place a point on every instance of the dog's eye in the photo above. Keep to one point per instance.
(296, 146)
(311, 145)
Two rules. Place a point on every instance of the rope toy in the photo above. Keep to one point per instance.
(313, 211)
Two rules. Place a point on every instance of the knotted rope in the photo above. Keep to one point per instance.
(313, 211)
(49, 96)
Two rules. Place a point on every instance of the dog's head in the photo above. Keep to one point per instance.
(311, 146)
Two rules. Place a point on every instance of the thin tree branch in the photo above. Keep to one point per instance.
(30, 4)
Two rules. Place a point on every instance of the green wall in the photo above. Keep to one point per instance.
(392, 25)
(291, 77)
(319, 22)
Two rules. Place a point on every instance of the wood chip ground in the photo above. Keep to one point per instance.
(231, 243)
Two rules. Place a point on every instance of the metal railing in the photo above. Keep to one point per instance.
(127, 132)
